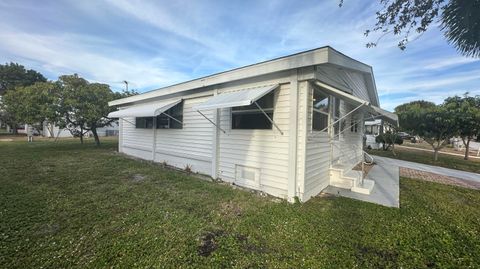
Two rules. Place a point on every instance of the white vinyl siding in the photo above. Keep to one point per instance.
(266, 150)
(190, 146)
(255, 158)
(317, 155)
(351, 143)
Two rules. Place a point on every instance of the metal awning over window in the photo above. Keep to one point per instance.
(148, 110)
(244, 97)
(378, 112)
(238, 98)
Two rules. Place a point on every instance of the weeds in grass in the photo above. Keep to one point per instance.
(81, 210)
(188, 169)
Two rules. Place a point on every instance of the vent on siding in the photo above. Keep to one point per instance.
(247, 176)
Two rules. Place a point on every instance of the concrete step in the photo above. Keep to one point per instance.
(353, 174)
(366, 188)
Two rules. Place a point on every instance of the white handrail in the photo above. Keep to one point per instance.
(338, 120)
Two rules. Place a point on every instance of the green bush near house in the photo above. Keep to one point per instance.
(64, 205)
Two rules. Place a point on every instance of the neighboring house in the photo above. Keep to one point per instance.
(57, 132)
(373, 128)
(460, 146)
(289, 127)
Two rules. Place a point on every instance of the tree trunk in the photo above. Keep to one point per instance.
(467, 149)
(81, 135)
(95, 135)
(435, 154)
(14, 129)
(50, 129)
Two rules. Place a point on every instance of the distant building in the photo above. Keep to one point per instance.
(373, 128)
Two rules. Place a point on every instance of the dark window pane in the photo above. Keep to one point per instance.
(336, 109)
(252, 120)
(251, 117)
(144, 122)
(149, 122)
(320, 102)
(320, 121)
(165, 122)
(162, 121)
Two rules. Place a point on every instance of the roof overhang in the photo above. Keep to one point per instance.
(313, 57)
(374, 110)
(147, 110)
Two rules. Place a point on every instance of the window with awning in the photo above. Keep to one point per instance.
(144, 110)
(251, 117)
(161, 115)
(252, 108)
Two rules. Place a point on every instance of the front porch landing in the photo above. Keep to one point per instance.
(386, 190)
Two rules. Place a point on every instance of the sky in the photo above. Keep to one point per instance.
(152, 44)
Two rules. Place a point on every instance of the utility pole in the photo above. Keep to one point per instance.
(126, 85)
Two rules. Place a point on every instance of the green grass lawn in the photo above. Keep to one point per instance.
(65, 205)
(448, 161)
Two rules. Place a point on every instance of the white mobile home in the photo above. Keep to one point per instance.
(289, 127)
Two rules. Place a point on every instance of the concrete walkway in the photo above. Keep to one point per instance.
(387, 184)
(440, 152)
(386, 190)
(428, 168)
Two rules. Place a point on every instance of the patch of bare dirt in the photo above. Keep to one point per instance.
(210, 241)
(231, 209)
(137, 178)
(367, 167)
(49, 229)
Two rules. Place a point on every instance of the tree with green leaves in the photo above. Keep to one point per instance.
(389, 139)
(459, 21)
(34, 104)
(434, 123)
(84, 105)
(466, 113)
(14, 75)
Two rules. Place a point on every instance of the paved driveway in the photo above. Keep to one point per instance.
(429, 168)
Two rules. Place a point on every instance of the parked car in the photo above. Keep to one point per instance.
(405, 136)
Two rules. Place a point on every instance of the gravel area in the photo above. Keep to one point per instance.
(412, 173)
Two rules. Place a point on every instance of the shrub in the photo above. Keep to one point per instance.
(389, 139)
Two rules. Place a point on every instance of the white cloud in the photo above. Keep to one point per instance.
(448, 62)
(93, 58)
(194, 23)
(430, 83)
(173, 41)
